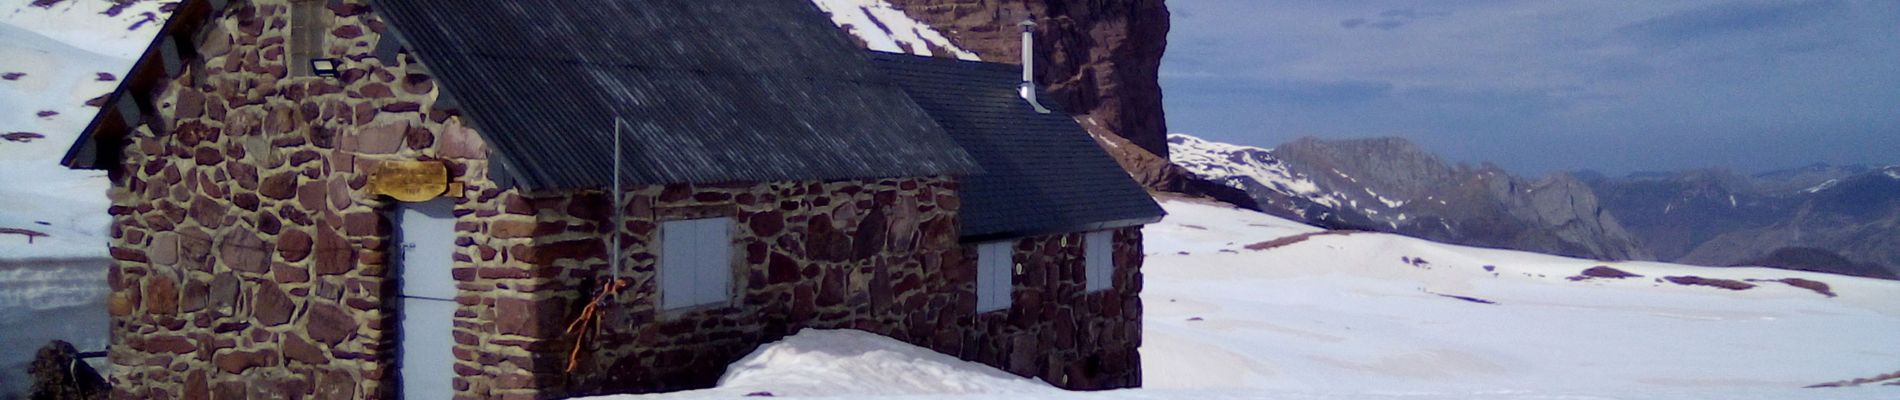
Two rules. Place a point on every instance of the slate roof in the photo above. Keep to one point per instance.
(1043, 173)
(712, 91)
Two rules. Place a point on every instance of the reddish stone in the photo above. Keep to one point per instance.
(169, 344)
(208, 212)
(402, 107)
(531, 318)
(244, 174)
(125, 254)
(363, 224)
(287, 273)
(244, 251)
(347, 31)
(269, 224)
(376, 91)
(294, 245)
(782, 269)
(337, 255)
(280, 186)
(417, 84)
(296, 348)
(419, 138)
(271, 307)
(872, 232)
(571, 249)
(330, 324)
(234, 362)
(163, 250)
(510, 229)
(823, 242)
(336, 385)
(194, 297)
(766, 224)
(208, 156)
(459, 142)
(223, 291)
(161, 294)
(197, 386)
(380, 139)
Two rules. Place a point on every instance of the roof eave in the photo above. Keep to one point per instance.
(189, 16)
(1088, 227)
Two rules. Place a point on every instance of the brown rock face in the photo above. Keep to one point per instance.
(56, 375)
(1100, 59)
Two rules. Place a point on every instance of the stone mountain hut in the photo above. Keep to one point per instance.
(417, 199)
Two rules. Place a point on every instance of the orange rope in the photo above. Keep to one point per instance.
(590, 315)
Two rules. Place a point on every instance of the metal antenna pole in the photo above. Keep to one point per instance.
(619, 212)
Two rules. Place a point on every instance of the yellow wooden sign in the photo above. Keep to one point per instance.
(411, 181)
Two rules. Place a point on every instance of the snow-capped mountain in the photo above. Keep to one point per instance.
(1837, 219)
(1390, 185)
(882, 27)
(1256, 170)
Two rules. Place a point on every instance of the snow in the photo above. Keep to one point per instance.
(886, 28)
(1829, 185)
(849, 363)
(61, 51)
(1376, 316)
(1230, 163)
(1345, 313)
(54, 286)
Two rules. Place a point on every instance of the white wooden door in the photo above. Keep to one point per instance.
(425, 237)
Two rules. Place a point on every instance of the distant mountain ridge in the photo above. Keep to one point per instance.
(1841, 219)
(1392, 185)
(1838, 219)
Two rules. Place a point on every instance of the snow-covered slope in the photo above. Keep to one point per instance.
(1242, 305)
(1247, 168)
(53, 220)
(887, 29)
(1387, 313)
(54, 58)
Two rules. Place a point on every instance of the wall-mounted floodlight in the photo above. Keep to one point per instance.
(325, 67)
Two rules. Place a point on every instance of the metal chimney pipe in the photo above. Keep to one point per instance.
(1028, 87)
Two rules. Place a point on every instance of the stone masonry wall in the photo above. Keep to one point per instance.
(880, 256)
(249, 260)
(1057, 331)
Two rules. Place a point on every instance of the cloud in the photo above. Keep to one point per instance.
(1284, 92)
(1727, 18)
(1542, 86)
(1391, 19)
(1408, 13)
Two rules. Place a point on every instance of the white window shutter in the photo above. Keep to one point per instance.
(695, 262)
(994, 276)
(715, 254)
(676, 278)
(1099, 259)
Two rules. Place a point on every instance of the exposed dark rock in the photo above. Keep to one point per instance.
(59, 374)
(22, 137)
(1603, 272)
(1729, 284)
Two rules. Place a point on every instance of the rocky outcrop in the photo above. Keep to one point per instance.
(1100, 59)
(59, 374)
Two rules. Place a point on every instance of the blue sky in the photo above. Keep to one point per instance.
(1542, 86)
